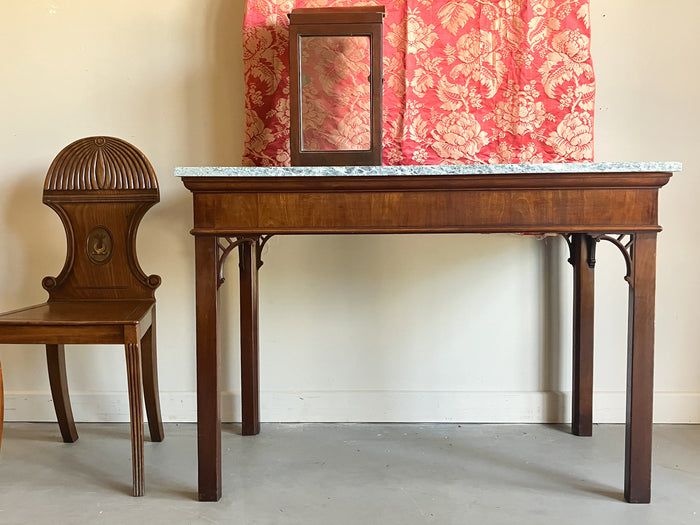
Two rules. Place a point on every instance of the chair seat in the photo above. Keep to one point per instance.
(73, 322)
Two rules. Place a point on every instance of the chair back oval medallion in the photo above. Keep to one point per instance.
(99, 245)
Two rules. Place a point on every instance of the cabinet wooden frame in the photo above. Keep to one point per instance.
(336, 21)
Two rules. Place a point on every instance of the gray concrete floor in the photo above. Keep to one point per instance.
(347, 474)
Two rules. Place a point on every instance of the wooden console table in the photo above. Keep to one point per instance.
(586, 203)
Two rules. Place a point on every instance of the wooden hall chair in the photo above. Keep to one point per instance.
(101, 187)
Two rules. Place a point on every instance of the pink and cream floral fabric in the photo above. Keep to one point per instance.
(465, 81)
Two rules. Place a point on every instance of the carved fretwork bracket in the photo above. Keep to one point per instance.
(590, 241)
(226, 245)
(624, 242)
(262, 241)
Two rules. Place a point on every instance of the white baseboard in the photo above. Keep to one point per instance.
(365, 406)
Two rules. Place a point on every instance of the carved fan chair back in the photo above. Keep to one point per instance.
(100, 187)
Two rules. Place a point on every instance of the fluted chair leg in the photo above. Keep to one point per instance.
(133, 372)
(56, 360)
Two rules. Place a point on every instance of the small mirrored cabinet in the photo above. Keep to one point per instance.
(335, 86)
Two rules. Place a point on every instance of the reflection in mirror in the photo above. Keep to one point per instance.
(335, 93)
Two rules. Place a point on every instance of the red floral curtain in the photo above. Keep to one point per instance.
(465, 81)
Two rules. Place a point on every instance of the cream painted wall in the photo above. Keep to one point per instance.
(366, 328)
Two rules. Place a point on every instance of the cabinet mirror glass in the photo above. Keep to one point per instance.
(336, 95)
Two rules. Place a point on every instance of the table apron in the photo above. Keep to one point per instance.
(537, 211)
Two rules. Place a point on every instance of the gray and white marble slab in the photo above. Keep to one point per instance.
(394, 171)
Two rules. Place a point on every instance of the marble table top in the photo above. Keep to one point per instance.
(464, 169)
